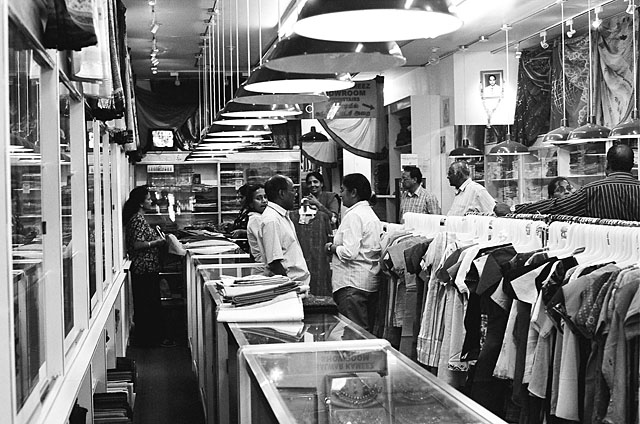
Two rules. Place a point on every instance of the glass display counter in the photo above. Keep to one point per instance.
(359, 381)
(513, 179)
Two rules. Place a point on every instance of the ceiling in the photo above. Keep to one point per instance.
(183, 25)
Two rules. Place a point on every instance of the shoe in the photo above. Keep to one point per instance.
(168, 343)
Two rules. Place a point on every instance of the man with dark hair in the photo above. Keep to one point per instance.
(470, 196)
(416, 198)
(615, 197)
(282, 251)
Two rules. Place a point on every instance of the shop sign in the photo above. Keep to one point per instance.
(159, 169)
(359, 101)
(408, 159)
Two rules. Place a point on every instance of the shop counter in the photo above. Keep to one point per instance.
(359, 381)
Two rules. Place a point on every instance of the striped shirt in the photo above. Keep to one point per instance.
(615, 197)
(357, 257)
(421, 201)
(471, 197)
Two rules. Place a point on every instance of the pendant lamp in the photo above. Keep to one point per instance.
(265, 80)
(508, 147)
(591, 131)
(375, 20)
(631, 127)
(244, 96)
(309, 55)
(465, 150)
(240, 110)
(561, 134)
(216, 130)
(313, 137)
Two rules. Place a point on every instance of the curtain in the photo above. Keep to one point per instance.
(321, 153)
(360, 136)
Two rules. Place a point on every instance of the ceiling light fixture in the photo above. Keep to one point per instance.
(308, 55)
(177, 80)
(216, 130)
(154, 70)
(313, 136)
(239, 110)
(571, 31)
(483, 39)
(375, 20)
(561, 134)
(265, 80)
(597, 21)
(590, 132)
(631, 127)
(544, 43)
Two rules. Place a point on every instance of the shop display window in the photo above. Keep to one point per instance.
(91, 213)
(26, 219)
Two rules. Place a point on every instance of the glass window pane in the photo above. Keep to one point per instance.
(91, 140)
(65, 195)
(26, 219)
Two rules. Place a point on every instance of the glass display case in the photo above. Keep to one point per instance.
(583, 163)
(357, 381)
(204, 194)
(513, 178)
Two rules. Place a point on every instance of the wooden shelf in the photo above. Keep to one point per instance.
(403, 149)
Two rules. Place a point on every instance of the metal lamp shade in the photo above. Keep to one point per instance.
(627, 129)
(588, 133)
(265, 80)
(246, 97)
(375, 20)
(240, 110)
(313, 137)
(311, 56)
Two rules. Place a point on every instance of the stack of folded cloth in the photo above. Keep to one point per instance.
(255, 288)
(259, 298)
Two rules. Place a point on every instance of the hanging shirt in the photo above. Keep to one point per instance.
(356, 262)
(471, 197)
(280, 242)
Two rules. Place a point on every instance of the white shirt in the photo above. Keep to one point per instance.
(471, 197)
(356, 262)
(254, 238)
(280, 242)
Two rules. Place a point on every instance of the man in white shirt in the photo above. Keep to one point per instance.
(282, 252)
(470, 196)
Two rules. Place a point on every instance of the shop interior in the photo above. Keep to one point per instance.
(197, 99)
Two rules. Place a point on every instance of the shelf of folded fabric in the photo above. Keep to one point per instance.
(346, 381)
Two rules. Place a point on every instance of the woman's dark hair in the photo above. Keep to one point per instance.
(553, 185)
(249, 192)
(315, 174)
(132, 205)
(361, 185)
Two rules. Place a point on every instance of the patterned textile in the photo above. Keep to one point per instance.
(534, 95)
(142, 260)
(313, 237)
(614, 77)
(421, 201)
(575, 93)
(69, 26)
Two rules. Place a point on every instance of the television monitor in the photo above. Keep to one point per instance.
(162, 138)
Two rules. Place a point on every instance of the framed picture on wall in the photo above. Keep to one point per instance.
(491, 83)
(445, 112)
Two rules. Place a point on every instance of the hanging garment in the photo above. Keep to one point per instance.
(69, 25)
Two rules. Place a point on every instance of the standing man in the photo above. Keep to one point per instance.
(615, 197)
(282, 251)
(470, 196)
(416, 198)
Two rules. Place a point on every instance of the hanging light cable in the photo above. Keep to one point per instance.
(590, 132)
(560, 134)
(631, 127)
(508, 147)
(245, 97)
(235, 109)
(465, 150)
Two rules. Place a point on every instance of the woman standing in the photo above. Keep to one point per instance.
(356, 253)
(255, 203)
(325, 201)
(143, 248)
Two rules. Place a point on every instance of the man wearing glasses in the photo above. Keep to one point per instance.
(416, 198)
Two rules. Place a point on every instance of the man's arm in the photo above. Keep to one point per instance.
(277, 268)
(574, 205)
